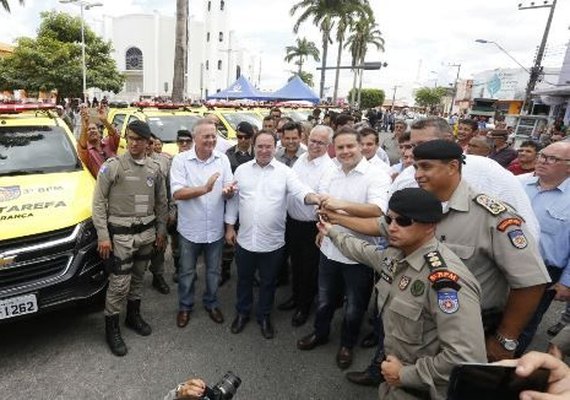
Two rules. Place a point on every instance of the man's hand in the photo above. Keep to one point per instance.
(319, 239)
(333, 204)
(105, 247)
(230, 235)
(229, 190)
(192, 389)
(558, 381)
(102, 113)
(496, 351)
(211, 182)
(390, 370)
(330, 216)
(160, 242)
(323, 226)
(562, 292)
(555, 351)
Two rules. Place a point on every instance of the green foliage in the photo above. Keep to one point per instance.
(429, 97)
(306, 77)
(302, 50)
(369, 97)
(53, 59)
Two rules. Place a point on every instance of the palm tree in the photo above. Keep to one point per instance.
(306, 77)
(322, 13)
(6, 5)
(302, 51)
(353, 10)
(180, 50)
(364, 32)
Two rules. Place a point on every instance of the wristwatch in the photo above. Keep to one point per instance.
(508, 344)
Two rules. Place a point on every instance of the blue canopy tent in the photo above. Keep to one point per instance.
(295, 89)
(240, 89)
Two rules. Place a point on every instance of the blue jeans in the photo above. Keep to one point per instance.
(189, 252)
(358, 281)
(268, 264)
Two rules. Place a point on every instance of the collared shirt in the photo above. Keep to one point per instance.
(283, 156)
(382, 155)
(380, 164)
(93, 159)
(200, 219)
(516, 168)
(238, 157)
(310, 173)
(552, 208)
(365, 183)
(485, 176)
(261, 202)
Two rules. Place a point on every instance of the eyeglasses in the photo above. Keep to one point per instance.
(317, 142)
(550, 160)
(400, 220)
(243, 137)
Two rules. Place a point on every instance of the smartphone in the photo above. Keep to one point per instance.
(493, 382)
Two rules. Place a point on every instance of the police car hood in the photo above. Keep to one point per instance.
(32, 204)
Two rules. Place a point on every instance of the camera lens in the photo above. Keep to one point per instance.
(228, 385)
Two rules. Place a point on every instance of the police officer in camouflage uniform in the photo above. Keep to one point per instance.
(428, 299)
(129, 213)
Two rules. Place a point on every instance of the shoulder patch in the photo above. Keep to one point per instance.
(518, 239)
(490, 204)
(448, 301)
(435, 260)
(107, 164)
(504, 224)
(404, 282)
(444, 279)
(418, 288)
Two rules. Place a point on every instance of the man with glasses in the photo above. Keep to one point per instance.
(549, 193)
(130, 210)
(184, 140)
(426, 295)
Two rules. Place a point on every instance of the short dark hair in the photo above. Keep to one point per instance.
(290, 126)
(347, 130)
(343, 119)
(366, 131)
(474, 125)
(264, 132)
(441, 126)
(531, 143)
(275, 109)
(267, 118)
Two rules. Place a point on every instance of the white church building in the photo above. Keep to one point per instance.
(144, 51)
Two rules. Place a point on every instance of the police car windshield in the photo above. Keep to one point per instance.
(167, 126)
(29, 149)
(235, 118)
(298, 115)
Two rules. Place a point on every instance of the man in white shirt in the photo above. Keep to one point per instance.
(311, 168)
(356, 187)
(200, 179)
(263, 186)
(370, 142)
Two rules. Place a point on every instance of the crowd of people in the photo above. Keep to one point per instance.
(462, 256)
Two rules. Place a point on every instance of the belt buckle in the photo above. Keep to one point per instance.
(137, 222)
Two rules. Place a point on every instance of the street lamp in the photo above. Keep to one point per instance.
(84, 5)
(504, 51)
(458, 66)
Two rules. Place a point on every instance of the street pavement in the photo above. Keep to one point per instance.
(63, 355)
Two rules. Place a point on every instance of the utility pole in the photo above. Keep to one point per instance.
(394, 96)
(458, 66)
(536, 69)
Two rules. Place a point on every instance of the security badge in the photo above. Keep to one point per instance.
(404, 282)
(495, 207)
(444, 279)
(149, 181)
(418, 288)
(518, 239)
(448, 301)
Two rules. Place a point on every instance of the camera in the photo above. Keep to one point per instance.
(225, 389)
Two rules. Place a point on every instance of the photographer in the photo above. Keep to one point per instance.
(192, 389)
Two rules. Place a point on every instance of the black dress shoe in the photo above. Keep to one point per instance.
(160, 284)
(239, 323)
(267, 328)
(370, 340)
(344, 357)
(287, 305)
(299, 318)
(364, 378)
(215, 315)
(311, 341)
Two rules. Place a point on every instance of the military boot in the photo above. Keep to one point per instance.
(134, 319)
(113, 335)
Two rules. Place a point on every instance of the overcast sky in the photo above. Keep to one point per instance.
(421, 35)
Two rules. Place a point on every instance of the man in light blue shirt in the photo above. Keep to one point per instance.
(549, 193)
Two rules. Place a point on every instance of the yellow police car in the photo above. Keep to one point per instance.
(231, 117)
(48, 245)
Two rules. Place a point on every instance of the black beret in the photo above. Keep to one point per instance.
(438, 150)
(183, 133)
(417, 204)
(245, 128)
(140, 128)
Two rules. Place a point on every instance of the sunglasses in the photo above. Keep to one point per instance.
(400, 220)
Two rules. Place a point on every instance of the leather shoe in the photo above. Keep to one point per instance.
(182, 318)
(239, 323)
(287, 305)
(555, 329)
(299, 318)
(311, 341)
(160, 284)
(364, 378)
(215, 315)
(370, 340)
(267, 330)
(344, 357)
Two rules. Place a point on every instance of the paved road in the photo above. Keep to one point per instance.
(63, 355)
